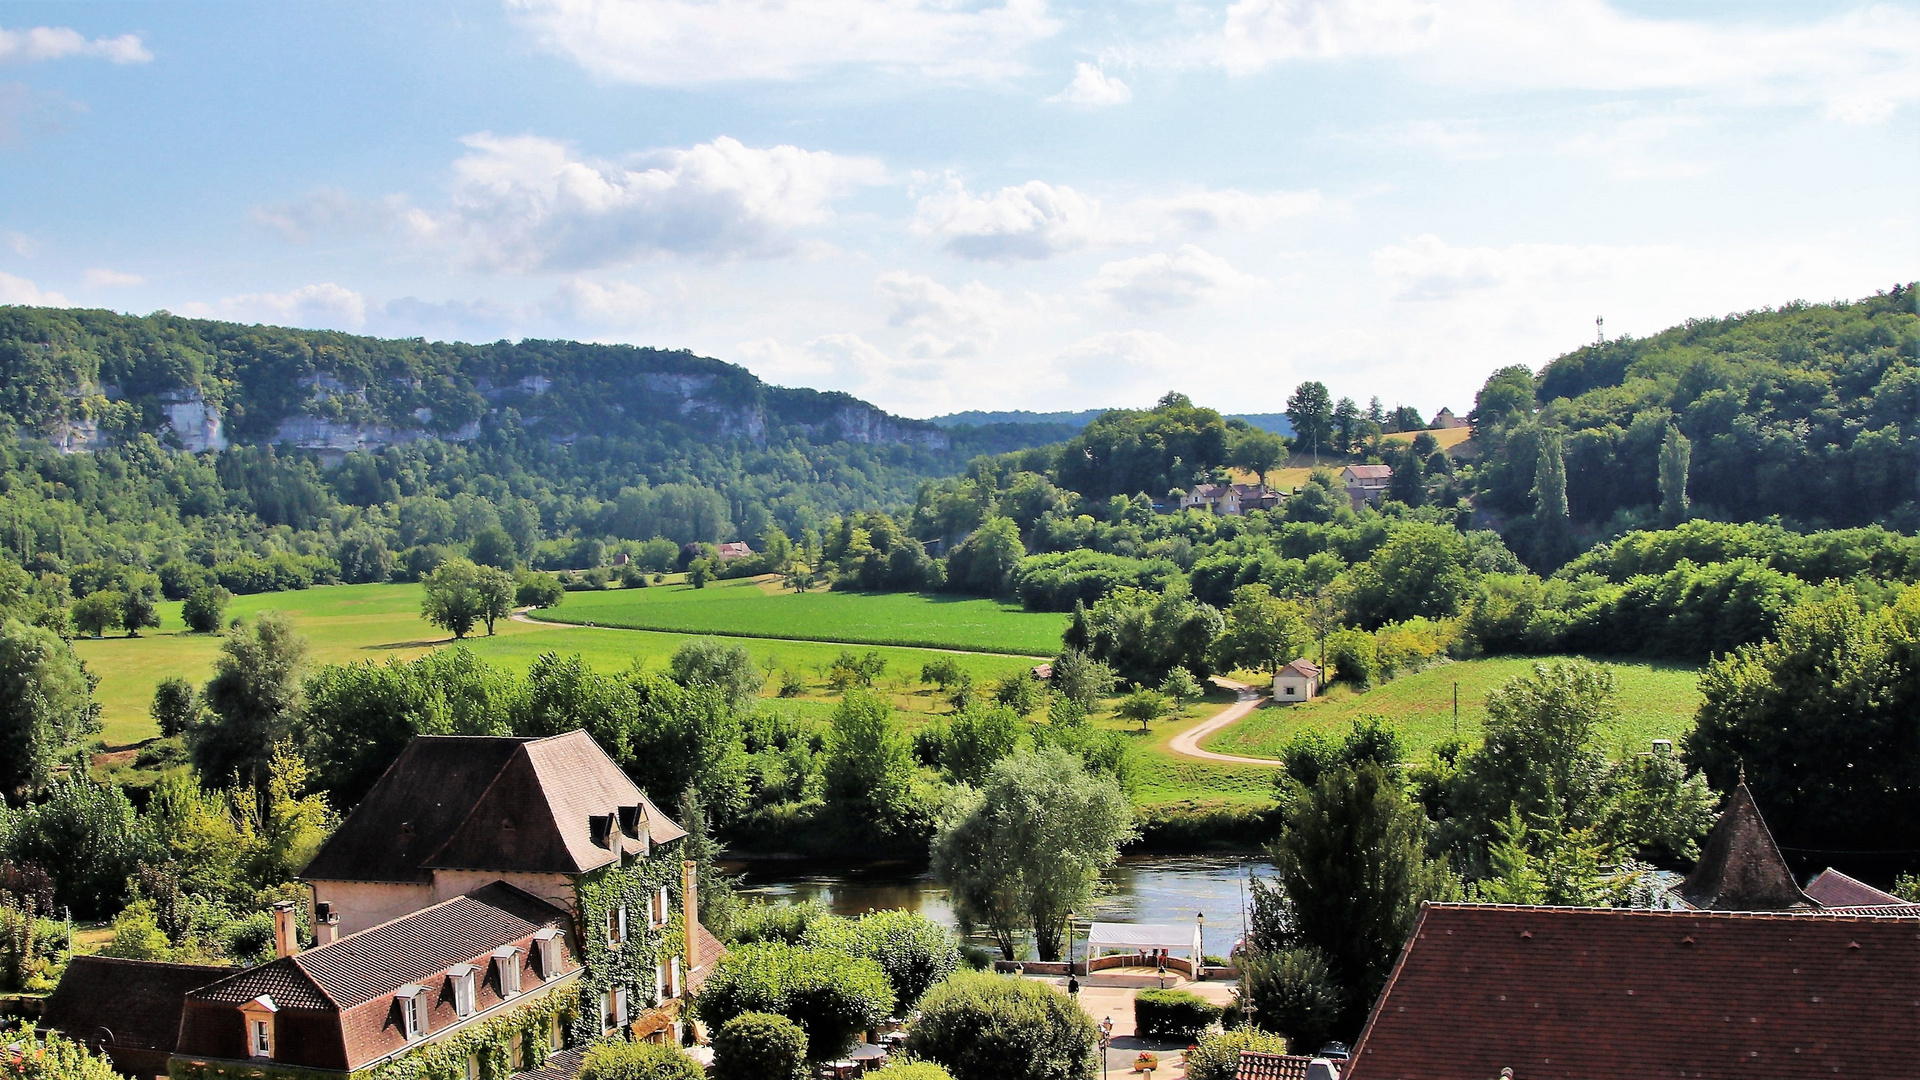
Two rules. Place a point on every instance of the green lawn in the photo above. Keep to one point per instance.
(348, 623)
(1657, 701)
(749, 608)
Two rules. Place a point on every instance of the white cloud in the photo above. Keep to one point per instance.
(529, 203)
(1231, 210)
(951, 322)
(1860, 65)
(674, 42)
(1033, 221)
(1093, 88)
(22, 244)
(1122, 364)
(324, 306)
(329, 210)
(60, 43)
(102, 277)
(1169, 280)
(614, 304)
(18, 290)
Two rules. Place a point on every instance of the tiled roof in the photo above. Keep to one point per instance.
(1255, 1065)
(561, 1065)
(1369, 472)
(1302, 667)
(709, 957)
(1832, 889)
(124, 1005)
(482, 803)
(1597, 992)
(381, 959)
(1740, 867)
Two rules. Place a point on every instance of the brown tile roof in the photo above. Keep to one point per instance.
(1832, 889)
(1369, 472)
(561, 1065)
(710, 952)
(1302, 667)
(128, 1009)
(483, 803)
(1597, 992)
(1741, 868)
(1255, 1065)
(381, 959)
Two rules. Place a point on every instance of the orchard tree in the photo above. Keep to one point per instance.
(1142, 707)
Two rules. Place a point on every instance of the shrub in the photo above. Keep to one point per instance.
(913, 950)
(137, 934)
(1217, 1057)
(53, 1057)
(639, 1061)
(204, 607)
(988, 1027)
(774, 922)
(175, 706)
(539, 591)
(832, 996)
(913, 1070)
(1293, 994)
(759, 1046)
(1174, 1015)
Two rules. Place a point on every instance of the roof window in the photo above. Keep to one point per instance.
(461, 976)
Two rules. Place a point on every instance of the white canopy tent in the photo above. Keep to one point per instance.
(1104, 938)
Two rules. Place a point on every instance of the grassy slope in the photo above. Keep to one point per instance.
(1656, 701)
(746, 608)
(347, 623)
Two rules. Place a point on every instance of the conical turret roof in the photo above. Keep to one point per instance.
(1741, 868)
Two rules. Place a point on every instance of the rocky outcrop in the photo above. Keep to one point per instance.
(195, 422)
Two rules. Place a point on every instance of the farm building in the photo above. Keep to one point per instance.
(1366, 483)
(1298, 681)
(1444, 419)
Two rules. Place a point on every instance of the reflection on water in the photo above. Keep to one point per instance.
(1141, 889)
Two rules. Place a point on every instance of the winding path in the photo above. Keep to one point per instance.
(1187, 743)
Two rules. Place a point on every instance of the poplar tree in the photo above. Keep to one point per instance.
(1676, 454)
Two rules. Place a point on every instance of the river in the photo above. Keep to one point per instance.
(1141, 889)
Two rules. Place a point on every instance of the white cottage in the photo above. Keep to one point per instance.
(1296, 682)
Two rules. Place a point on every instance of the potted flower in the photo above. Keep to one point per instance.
(1146, 1062)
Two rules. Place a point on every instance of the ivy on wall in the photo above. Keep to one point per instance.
(629, 966)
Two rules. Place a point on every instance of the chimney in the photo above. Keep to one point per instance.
(284, 930)
(690, 902)
(326, 924)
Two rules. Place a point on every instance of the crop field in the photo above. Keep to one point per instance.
(351, 623)
(753, 608)
(1656, 701)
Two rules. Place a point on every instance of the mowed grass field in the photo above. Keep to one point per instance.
(1657, 701)
(355, 623)
(759, 608)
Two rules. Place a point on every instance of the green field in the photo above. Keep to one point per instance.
(749, 608)
(1657, 701)
(348, 623)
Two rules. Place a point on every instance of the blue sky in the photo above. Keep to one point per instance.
(951, 204)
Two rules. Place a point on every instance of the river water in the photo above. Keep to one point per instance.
(1141, 889)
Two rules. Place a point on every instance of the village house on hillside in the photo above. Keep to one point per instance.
(1298, 681)
(1366, 483)
(1444, 420)
(1230, 500)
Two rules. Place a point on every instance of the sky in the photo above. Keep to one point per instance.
(941, 205)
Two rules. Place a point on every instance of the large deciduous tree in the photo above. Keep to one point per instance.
(1029, 848)
(46, 706)
(251, 700)
(1310, 411)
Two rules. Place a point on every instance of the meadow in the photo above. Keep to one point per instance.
(377, 623)
(1656, 701)
(760, 608)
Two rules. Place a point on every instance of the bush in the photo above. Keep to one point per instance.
(539, 591)
(137, 934)
(987, 1027)
(175, 706)
(248, 939)
(913, 950)
(774, 922)
(1173, 1015)
(913, 1070)
(639, 1061)
(204, 608)
(759, 1046)
(1354, 657)
(832, 996)
(1293, 994)
(56, 1058)
(1218, 1055)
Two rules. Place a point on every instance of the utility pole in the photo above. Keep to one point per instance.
(1600, 329)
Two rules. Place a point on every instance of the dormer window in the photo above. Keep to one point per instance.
(461, 976)
(258, 1014)
(506, 966)
(546, 944)
(412, 1000)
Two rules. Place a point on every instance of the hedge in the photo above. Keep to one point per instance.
(1173, 1015)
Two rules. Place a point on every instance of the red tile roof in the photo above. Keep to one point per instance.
(1369, 472)
(1832, 889)
(494, 804)
(1302, 667)
(1599, 993)
(1255, 1065)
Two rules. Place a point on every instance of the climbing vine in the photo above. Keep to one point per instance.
(629, 966)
